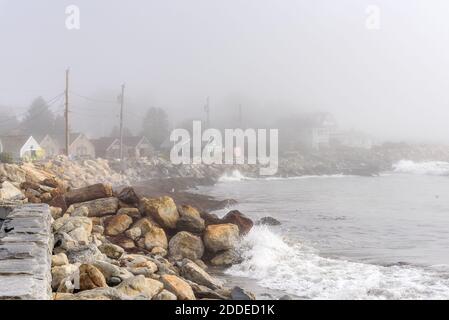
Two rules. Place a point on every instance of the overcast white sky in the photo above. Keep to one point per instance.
(275, 57)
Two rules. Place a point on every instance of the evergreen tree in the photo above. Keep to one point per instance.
(155, 126)
(39, 120)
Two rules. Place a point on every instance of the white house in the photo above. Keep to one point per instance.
(133, 147)
(81, 146)
(50, 145)
(21, 147)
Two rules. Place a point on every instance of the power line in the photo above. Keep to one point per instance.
(45, 104)
(92, 99)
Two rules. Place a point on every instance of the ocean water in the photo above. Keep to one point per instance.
(347, 237)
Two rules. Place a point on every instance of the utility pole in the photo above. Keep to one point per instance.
(122, 101)
(67, 134)
(207, 110)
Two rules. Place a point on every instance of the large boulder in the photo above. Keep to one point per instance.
(110, 270)
(117, 224)
(139, 285)
(85, 254)
(180, 288)
(225, 258)
(59, 260)
(133, 233)
(100, 207)
(145, 224)
(190, 220)
(82, 211)
(165, 295)
(8, 192)
(77, 228)
(92, 192)
(155, 237)
(132, 212)
(129, 196)
(162, 209)
(111, 250)
(91, 277)
(193, 272)
(59, 273)
(96, 294)
(186, 245)
(240, 220)
(220, 237)
(210, 218)
(146, 268)
(68, 224)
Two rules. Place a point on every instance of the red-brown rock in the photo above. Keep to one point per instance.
(240, 220)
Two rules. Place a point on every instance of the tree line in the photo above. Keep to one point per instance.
(40, 120)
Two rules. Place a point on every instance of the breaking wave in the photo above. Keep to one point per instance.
(300, 271)
(235, 175)
(435, 168)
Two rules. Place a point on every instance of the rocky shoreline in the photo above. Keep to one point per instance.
(137, 232)
(118, 244)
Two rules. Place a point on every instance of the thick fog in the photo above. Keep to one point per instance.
(274, 58)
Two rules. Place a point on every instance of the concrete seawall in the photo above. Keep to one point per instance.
(26, 244)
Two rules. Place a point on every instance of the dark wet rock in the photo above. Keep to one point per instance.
(128, 196)
(240, 220)
(190, 220)
(269, 221)
(238, 293)
(114, 281)
(210, 218)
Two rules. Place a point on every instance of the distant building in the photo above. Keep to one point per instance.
(353, 139)
(314, 130)
(107, 147)
(21, 147)
(80, 146)
(50, 146)
(138, 147)
(133, 147)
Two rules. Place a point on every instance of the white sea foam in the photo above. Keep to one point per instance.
(435, 168)
(300, 271)
(322, 176)
(236, 175)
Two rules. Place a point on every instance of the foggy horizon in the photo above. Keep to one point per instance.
(275, 59)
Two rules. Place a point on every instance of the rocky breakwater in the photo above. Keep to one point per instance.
(115, 245)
